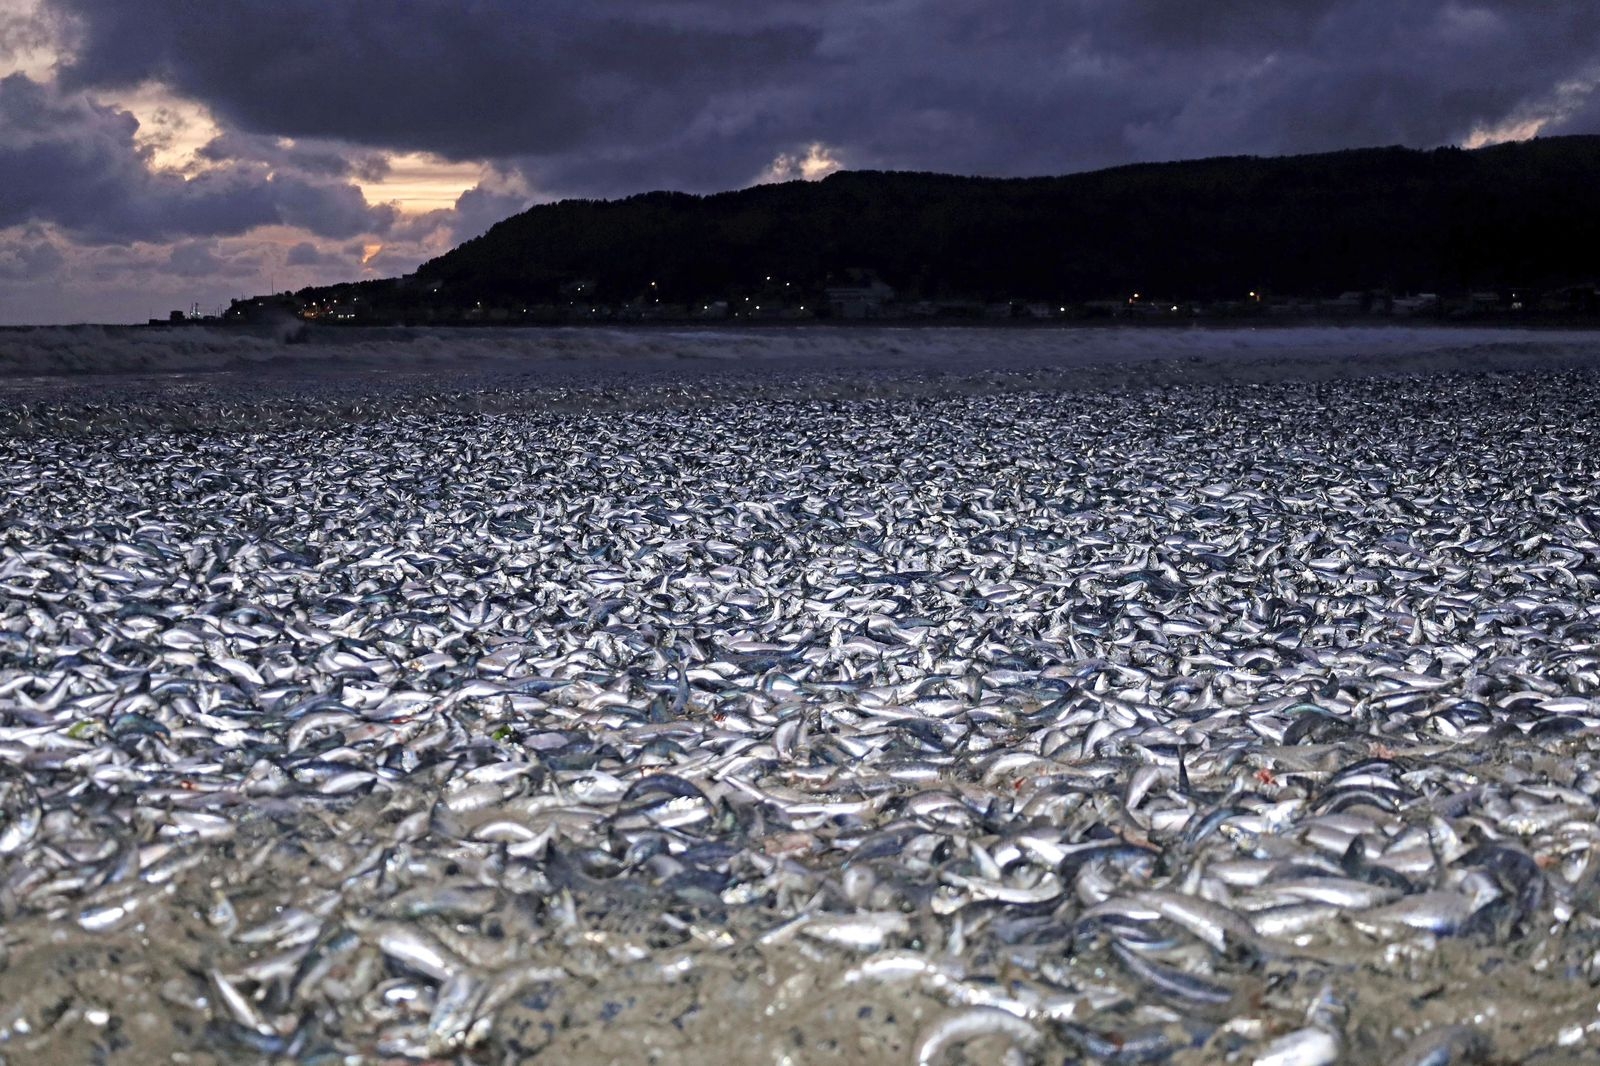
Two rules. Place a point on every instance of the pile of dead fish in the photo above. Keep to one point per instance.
(1231, 723)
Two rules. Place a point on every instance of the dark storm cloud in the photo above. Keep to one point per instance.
(602, 98)
(1577, 112)
(307, 254)
(30, 260)
(1014, 87)
(68, 161)
(199, 259)
(479, 208)
(317, 159)
(474, 211)
(463, 80)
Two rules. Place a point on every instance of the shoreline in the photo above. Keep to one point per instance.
(1541, 323)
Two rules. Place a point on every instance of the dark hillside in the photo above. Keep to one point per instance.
(1388, 218)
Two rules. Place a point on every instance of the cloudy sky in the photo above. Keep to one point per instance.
(159, 153)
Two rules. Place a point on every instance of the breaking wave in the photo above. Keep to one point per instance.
(58, 351)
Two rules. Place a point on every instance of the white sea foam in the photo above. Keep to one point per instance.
(90, 350)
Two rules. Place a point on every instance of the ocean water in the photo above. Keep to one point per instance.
(106, 350)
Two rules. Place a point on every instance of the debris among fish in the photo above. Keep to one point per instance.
(1002, 717)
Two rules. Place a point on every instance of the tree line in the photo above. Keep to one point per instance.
(1396, 219)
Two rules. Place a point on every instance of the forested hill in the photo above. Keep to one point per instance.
(1393, 218)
